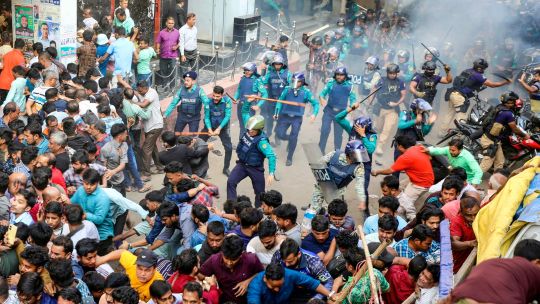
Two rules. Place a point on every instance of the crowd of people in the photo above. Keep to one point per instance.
(75, 139)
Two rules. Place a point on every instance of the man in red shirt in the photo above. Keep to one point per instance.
(417, 166)
(461, 232)
(11, 59)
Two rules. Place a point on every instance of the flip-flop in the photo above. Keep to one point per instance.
(145, 188)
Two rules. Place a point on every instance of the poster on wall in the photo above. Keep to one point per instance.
(24, 22)
(48, 32)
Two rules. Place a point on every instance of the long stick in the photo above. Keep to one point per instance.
(360, 273)
(322, 28)
(374, 293)
(193, 133)
(232, 98)
(292, 103)
(436, 58)
(358, 103)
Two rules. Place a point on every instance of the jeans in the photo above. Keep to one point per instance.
(267, 111)
(147, 77)
(225, 137)
(132, 170)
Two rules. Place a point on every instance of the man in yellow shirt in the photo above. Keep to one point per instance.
(141, 270)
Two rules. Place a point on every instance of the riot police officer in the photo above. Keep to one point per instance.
(314, 66)
(250, 84)
(252, 149)
(191, 98)
(344, 167)
(406, 69)
(465, 85)
(289, 115)
(217, 115)
(277, 78)
(370, 77)
(505, 58)
(359, 42)
(361, 129)
(425, 85)
(390, 95)
(533, 88)
(502, 125)
(332, 63)
(340, 96)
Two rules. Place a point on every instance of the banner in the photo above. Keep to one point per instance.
(24, 22)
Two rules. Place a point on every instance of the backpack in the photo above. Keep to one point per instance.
(486, 121)
(460, 81)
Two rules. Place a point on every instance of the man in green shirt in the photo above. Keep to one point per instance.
(143, 57)
(459, 157)
(122, 20)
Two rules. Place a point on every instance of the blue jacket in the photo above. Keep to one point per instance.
(258, 292)
(96, 207)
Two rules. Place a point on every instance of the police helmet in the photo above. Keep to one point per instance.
(299, 76)
(255, 122)
(341, 71)
(340, 31)
(278, 59)
(364, 122)
(421, 104)
(509, 96)
(249, 66)
(429, 66)
(392, 68)
(391, 53)
(317, 40)
(433, 50)
(373, 60)
(333, 51)
(403, 54)
(268, 57)
(340, 21)
(356, 151)
(480, 65)
(330, 34)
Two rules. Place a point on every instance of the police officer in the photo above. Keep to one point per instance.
(533, 88)
(331, 64)
(346, 32)
(465, 85)
(428, 56)
(406, 69)
(340, 96)
(288, 115)
(478, 50)
(217, 115)
(250, 84)
(314, 66)
(341, 43)
(359, 42)
(500, 127)
(390, 95)
(252, 149)
(343, 168)
(425, 85)
(370, 77)
(505, 58)
(362, 130)
(277, 78)
(191, 98)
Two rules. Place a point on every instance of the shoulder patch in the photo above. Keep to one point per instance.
(228, 105)
(264, 146)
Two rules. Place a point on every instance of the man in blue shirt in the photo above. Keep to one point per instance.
(388, 205)
(122, 50)
(320, 239)
(276, 285)
(96, 204)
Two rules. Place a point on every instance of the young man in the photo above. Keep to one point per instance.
(96, 204)
(250, 84)
(79, 163)
(122, 50)
(215, 234)
(192, 99)
(417, 166)
(141, 269)
(387, 226)
(252, 150)
(62, 276)
(430, 216)
(290, 255)
(167, 49)
(337, 214)
(193, 293)
(270, 200)
(175, 217)
(34, 137)
(266, 243)
(276, 285)
(161, 293)
(87, 255)
(461, 232)
(233, 268)
(249, 223)
(388, 205)
(217, 116)
(321, 239)
(114, 157)
(419, 243)
(340, 95)
(451, 187)
(291, 115)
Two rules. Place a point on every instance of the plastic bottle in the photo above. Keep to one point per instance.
(308, 216)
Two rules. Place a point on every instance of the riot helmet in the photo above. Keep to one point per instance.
(508, 96)
(480, 65)
(356, 152)
(340, 21)
(374, 61)
(278, 59)
(403, 54)
(255, 122)
(333, 51)
(341, 71)
(340, 31)
(433, 50)
(420, 104)
(268, 57)
(392, 68)
(429, 68)
(250, 66)
(299, 77)
(364, 122)
(317, 40)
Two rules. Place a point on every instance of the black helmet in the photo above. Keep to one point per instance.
(429, 65)
(340, 21)
(392, 68)
(508, 96)
(480, 65)
(317, 40)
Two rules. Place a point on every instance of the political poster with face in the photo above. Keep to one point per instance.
(24, 22)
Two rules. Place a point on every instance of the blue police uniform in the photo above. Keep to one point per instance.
(276, 83)
(218, 115)
(251, 153)
(340, 96)
(291, 116)
(248, 86)
(189, 111)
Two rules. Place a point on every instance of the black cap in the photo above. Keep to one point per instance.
(147, 258)
(190, 74)
(385, 256)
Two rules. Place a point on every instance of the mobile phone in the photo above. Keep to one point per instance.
(11, 234)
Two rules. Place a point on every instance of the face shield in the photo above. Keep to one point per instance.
(358, 156)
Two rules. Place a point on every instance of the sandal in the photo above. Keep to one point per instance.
(129, 189)
(145, 188)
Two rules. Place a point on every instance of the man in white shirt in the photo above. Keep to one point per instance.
(76, 228)
(188, 42)
(388, 226)
(153, 126)
(89, 21)
(266, 243)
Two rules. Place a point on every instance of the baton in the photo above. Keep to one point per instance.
(318, 30)
(193, 133)
(436, 58)
(500, 75)
(292, 103)
(233, 100)
(358, 103)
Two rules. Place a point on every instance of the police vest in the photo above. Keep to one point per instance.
(248, 150)
(278, 81)
(389, 92)
(217, 113)
(294, 110)
(427, 85)
(342, 175)
(190, 102)
(535, 95)
(365, 84)
(357, 46)
(494, 128)
(339, 95)
(246, 87)
(465, 84)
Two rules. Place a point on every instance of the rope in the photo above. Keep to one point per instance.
(171, 74)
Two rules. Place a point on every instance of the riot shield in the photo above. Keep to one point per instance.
(320, 171)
